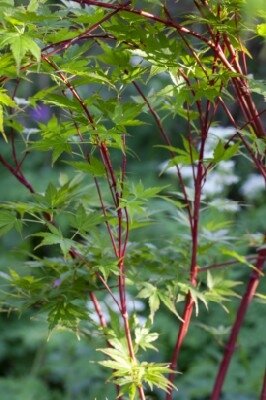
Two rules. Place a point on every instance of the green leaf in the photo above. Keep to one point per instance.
(128, 373)
(83, 221)
(22, 44)
(57, 100)
(143, 338)
(168, 300)
(220, 289)
(55, 137)
(2, 123)
(6, 100)
(186, 156)
(94, 166)
(8, 221)
(9, 3)
(55, 237)
(261, 29)
(34, 4)
(151, 292)
(257, 86)
(197, 295)
(210, 281)
(234, 254)
(223, 154)
(63, 313)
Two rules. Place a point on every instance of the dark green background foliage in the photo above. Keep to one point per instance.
(49, 335)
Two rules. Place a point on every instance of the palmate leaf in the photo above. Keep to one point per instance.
(220, 289)
(151, 293)
(195, 294)
(55, 197)
(8, 221)
(27, 283)
(221, 153)
(20, 44)
(136, 197)
(55, 237)
(65, 314)
(186, 156)
(126, 114)
(168, 299)
(84, 221)
(130, 374)
(93, 167)
(156, 296)
(55, 138)
(143, 338)
(57, 100)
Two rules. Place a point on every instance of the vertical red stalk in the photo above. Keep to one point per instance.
(98, 309)
(263, 390)
(230, 346)
(189, 306)
(186, 317)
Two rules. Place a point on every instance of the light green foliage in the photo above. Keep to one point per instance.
(9, 221)
(5, 100)
(261, 29)
(223, 154)
(130, 375)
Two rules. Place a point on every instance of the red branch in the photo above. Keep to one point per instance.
(17, 174)
(189, 306)
(242, 310)
(98, 310)
(186, 317)
(263, 390)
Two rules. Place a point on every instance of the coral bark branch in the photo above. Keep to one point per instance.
(242, 310)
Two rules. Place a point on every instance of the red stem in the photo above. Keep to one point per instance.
(263, 390)
(189, 306)
(17, 174)
(98, 309)
(186, 317)
(231, 344)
